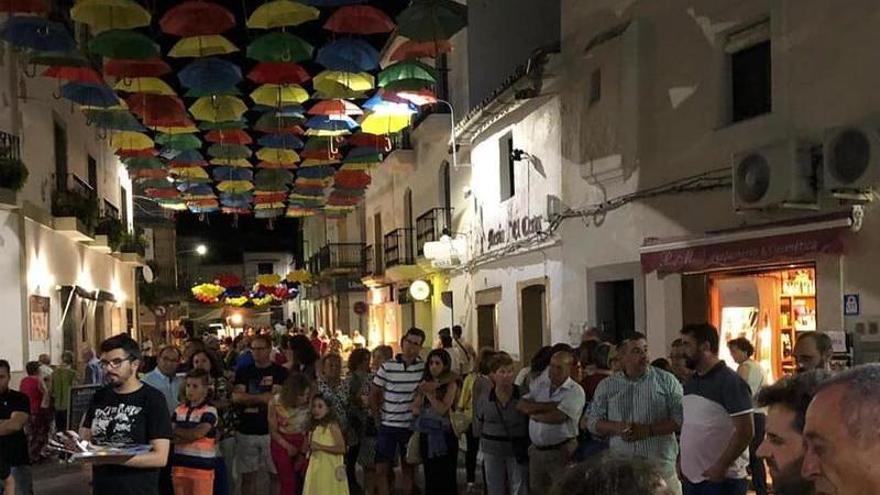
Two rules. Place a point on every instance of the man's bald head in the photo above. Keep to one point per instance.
(560, 367)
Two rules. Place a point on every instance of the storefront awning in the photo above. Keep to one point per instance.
(756, 245)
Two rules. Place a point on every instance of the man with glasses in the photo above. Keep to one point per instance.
(255, 385)
(126, 413)
(392, 395)
(164, 377)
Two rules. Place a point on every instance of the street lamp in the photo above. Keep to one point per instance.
(200, 250)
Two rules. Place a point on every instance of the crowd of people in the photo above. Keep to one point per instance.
(318, 415)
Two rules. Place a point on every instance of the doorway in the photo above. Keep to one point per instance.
(615, 309)
(486, 326)
(533, 318)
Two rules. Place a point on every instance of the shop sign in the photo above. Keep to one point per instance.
(851, 306)
(514, 230)
(773, 249)
(39, 309)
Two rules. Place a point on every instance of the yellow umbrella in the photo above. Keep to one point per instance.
(218, 108)
(232, 162)
(189, 173)
(101, 15)
(148, 85)
(128, 140)
(327, 133)
(313, 162)
(385, 123)
(278, 155)
(235, 186)
(357, 166)
(281, 13)
(202, 46)
(274, 95)
(331, 82)
(173, 206)
(189, 129)
(300, 276)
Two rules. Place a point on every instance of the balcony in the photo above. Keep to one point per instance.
(403, 158)
(399, 248)
(431, 226)
(369, 261)
(75, 209)
(338, 259)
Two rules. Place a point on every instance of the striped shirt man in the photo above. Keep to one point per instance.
(198, 454)
(653, 397)
(398, 382)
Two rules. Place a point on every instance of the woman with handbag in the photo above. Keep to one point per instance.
(503, 431)
(432, 406)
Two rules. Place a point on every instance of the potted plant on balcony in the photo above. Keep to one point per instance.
(114, 229)
(132, 243)
(13, 175)
(66, 204)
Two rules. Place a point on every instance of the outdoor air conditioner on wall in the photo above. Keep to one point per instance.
(851, 159)
(772, 176)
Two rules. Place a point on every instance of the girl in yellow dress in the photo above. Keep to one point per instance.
(326, 471)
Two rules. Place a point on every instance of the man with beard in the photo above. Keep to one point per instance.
(813, 351)
(842, 436)
(127, 413)
(717, 426)
(783, 446)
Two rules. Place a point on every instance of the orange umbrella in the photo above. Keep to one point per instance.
(228, 136)
(421, 49)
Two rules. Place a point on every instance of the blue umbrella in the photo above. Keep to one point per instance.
(316, 172)
(210, 74)
(232, 173)
(348, 55)
(93, 95)
(199, 209)
(195, 189)
(284, 141)
(186, 156)
(285, 110)
(332, 123)
(246, 197)
(117, 120)
(36, 33)
(377, 104)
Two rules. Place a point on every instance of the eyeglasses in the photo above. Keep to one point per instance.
(411, 342)
(115, 363)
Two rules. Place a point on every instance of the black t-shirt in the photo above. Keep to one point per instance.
(127, 419)
(14, 448)
(252, 420)
(4, 470)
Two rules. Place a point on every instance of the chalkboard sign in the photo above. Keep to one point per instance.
(80, 397)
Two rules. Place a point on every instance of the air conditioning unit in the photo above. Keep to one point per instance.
(771, 176)
(851, 159)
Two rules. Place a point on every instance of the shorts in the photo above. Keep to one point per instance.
(391, 442)
(252, 453)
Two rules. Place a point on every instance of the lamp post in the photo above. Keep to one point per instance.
(200, 250)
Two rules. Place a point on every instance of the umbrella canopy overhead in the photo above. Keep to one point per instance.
(412, 49)
(275, 95)
(218, 108)
(432, 20)
(330, 83)
(145, 85)
(23, 6)
(278, 73)
(74, 74)
(406, 75)
(335, 107)
(280, 47)
(90, 95)
(348, 55)
(202, 46)
(128, 68)
(210, 74)
(119, 120)
(67, 59)
(281, 13)
(359, 19)
(101, 15)
(196, 18)
(119, 43)
(36, 33)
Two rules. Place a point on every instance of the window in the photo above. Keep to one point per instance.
(506, 167)
(59, 133)
(265, 268)
(123, 203)
(595, 86)
(750, 72)
(93, 174)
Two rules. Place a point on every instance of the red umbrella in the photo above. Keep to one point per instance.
(352, 179)
(196, 18)
(278, 73)
(151, 67)
(164, 193)
(228, 136)
(365, 139)
(74, 74)
(227, 280)
(359, 19)
(23, 6)
(150, 173)
(176, 164)
(275, 197)
(335, 107)
(421, 49)
(320, 154)
(142, 153)
(155, 108)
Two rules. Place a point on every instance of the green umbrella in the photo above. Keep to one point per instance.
(118, 43)
(67, 59)
(144, 163)
(117, 120)
(198, 93)
(231, 151)
(271, 123)
(280, 47)
(179, 142)
(407, 75)
(229, 124)
(273, 177)
(430, 20)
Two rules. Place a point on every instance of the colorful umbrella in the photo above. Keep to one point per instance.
(430, 20)
(142, 153)
(277, 155)
(74, 74)
(23, 6)
(91, 95)
(145, 85)
(68, 59)
(192, 174)
(378, 104)
(273, 124)
(407, 75)
(364, 154)
(232, 162)
(119, 120)
(202, 46)
(281, 13)
(359, 19)
(229, 151)
(179, 141)
(285, 141)
(128, 140)
(36, 33)
(412, 49)
(352, 179)
(333, 82)
(189, 128)
(316, 172)
(198, 93)
(235, 186)
(189, 157)
(228, 124)
(101, 15)
(124, 44)
(232, 173)
(331, 123)
(128, 68)
(210, 74)
(419, 98)
(380, 123)
(144, 163)
(273, 178)
(218, 108)
(348, 55)
(278, 73)
(155, 109)
(280, 47)
(277, 95)
(196, 18)
(367, 140)
(335, 107)
(228, 136)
